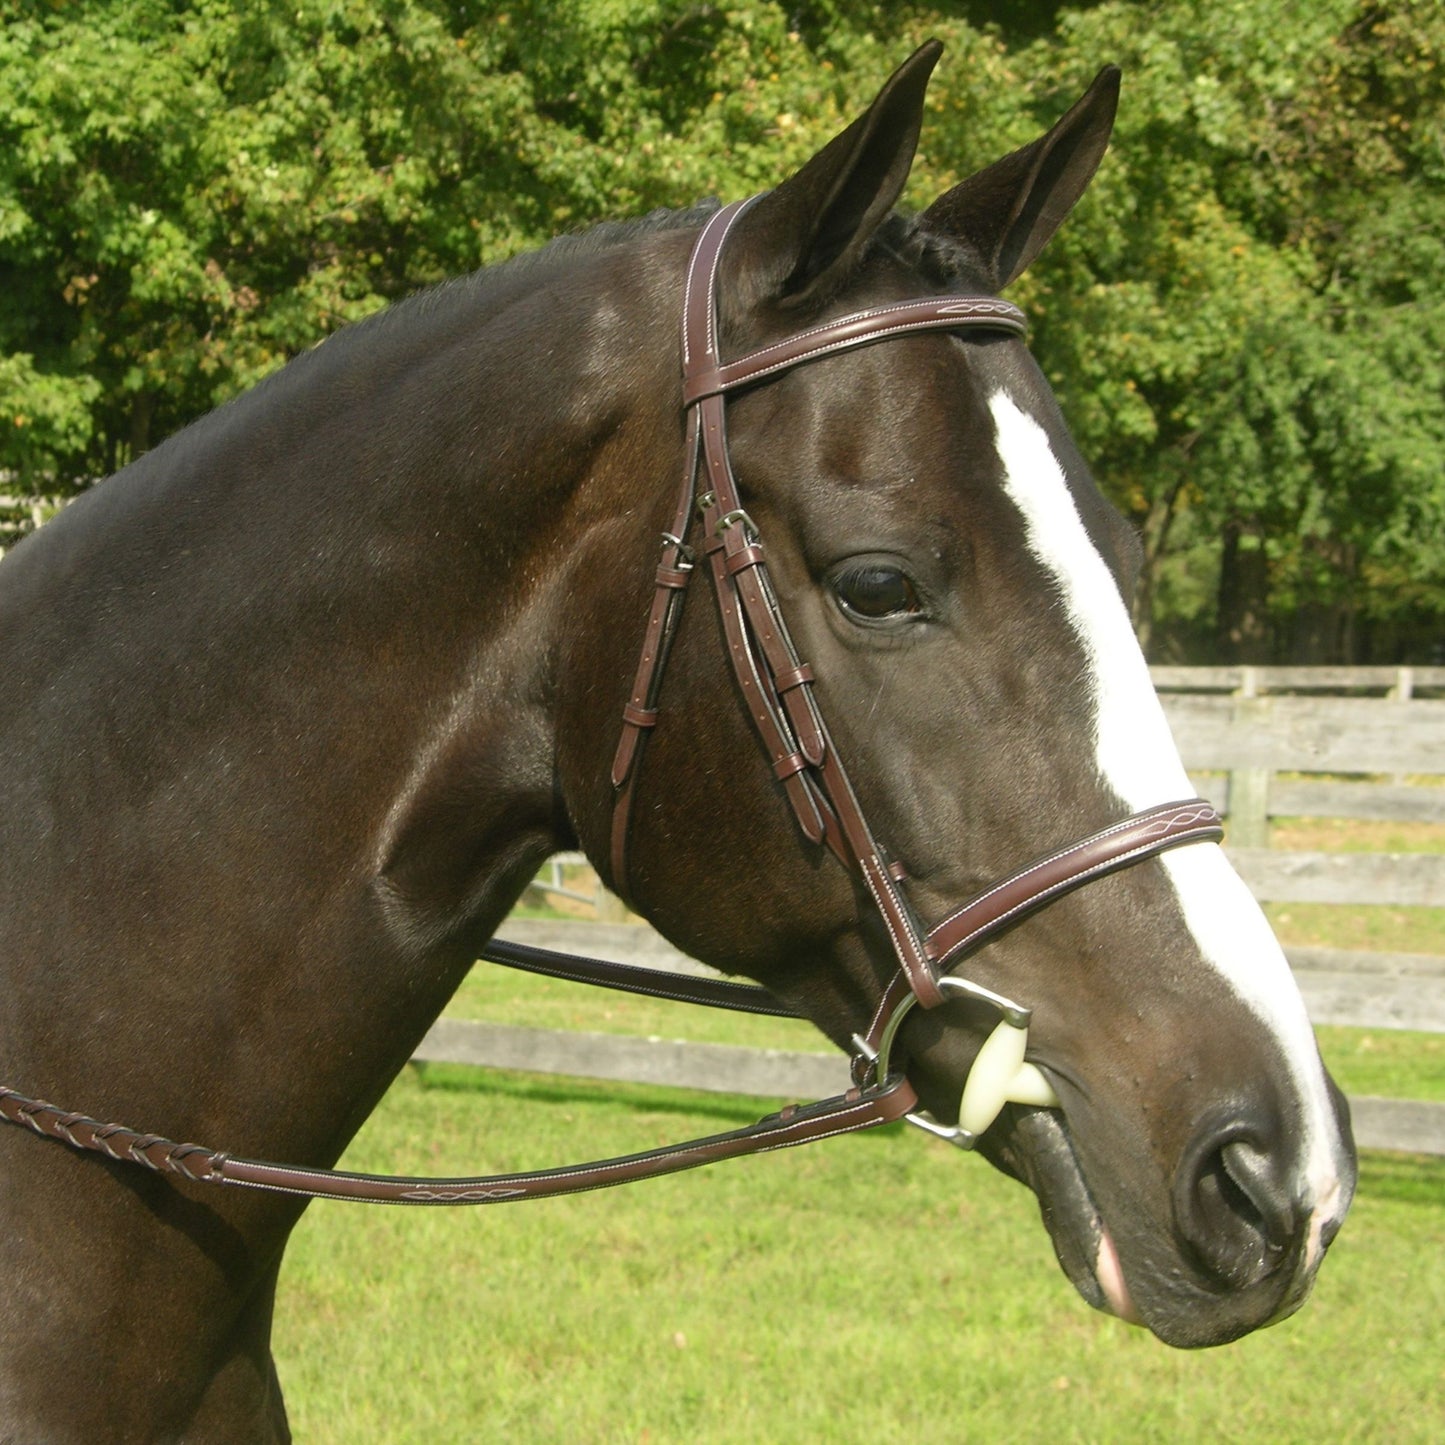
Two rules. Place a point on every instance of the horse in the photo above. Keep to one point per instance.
(297, 702)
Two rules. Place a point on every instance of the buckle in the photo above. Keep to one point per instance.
(738, 517)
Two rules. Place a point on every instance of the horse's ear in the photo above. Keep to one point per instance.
(1007, 212)
(798, 242)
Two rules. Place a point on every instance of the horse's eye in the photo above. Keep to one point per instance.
(875, 591)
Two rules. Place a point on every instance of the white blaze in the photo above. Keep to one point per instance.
(1137, 757)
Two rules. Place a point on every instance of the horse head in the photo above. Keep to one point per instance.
(956, 586)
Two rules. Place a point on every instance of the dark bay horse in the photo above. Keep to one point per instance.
(292, 708)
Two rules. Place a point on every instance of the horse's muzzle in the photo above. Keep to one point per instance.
(1241, 1248)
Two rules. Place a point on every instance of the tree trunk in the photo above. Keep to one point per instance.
(1242, 621)
(142, 411)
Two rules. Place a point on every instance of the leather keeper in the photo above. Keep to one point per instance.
(806, 724)
(743, 558)
(805, 807)
(626, 754)
(793, 677)
(640, 717)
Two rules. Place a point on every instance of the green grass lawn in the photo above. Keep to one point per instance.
(1396, 1063)
(872, 1287)
(876, 1287)
(880, 1284)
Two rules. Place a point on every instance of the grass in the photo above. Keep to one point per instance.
(877, 1284)
(880, 1286)
(1395, 1063)
(1371, 927)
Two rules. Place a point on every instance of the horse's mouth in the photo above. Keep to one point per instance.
(1034, 1146)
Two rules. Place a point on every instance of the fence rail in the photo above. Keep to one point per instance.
(1262, 744)
(1396, 682)
(1400, 1124)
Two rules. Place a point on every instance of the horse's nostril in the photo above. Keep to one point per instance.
(1236, 1208)
(1257, 1178)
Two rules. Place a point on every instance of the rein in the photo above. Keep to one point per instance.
(777, 686)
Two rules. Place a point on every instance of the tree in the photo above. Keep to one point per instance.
(1242, 319)
(189, 194)
(1254, 354)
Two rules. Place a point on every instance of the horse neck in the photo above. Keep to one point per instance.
(314, 661)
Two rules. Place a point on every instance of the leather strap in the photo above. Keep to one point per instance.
(674, 572)
(878, 323)
(798, 1124)
(1171, 825)
(1000, 907)
(630, 978)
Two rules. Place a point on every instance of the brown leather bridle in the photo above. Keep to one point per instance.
(777, 688)
(777, 685)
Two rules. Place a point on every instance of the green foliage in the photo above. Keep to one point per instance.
(1244, 319)
(1259, 274)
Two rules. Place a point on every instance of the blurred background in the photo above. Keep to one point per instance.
(1244, 320)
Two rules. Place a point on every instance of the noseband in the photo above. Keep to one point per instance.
(778, 689)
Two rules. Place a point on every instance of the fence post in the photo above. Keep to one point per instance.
(1249, 787)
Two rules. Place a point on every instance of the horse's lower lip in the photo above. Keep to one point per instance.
(1041, 1149)
(1110, 1276)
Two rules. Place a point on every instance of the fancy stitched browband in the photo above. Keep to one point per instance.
(777, 687)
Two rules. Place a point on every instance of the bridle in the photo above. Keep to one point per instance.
(777, 687)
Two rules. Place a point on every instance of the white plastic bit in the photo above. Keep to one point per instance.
(999, 1076)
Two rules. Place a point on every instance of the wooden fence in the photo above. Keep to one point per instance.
(1310, 743)
(1261, 744)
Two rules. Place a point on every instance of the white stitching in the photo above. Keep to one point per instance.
(980, 308)
(1168, 815)
(1100, 869)
(878, 901)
